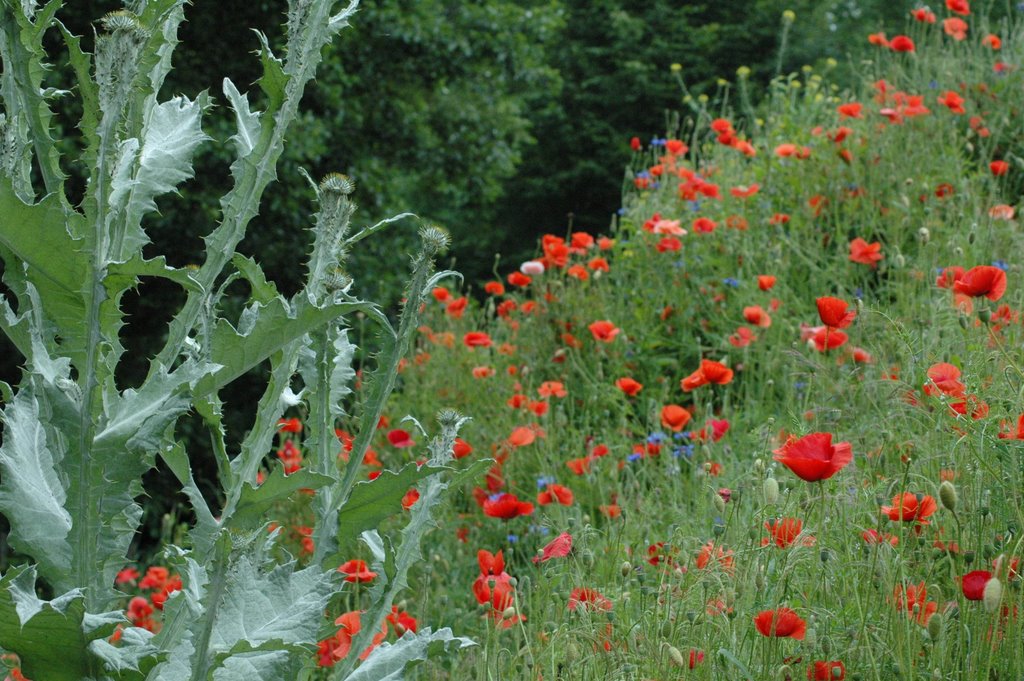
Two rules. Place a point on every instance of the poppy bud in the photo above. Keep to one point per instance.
(935, 623)
(963, 321)
(923, 235)
(512, 581)
(789, 16)
(626, 568)
(899, 260)
(587, 558)
(948, 495)
(770, 490)
(810, 637)
(572, 652)
(718, 502)
(675, 655)
(992, 595)
(509, 612)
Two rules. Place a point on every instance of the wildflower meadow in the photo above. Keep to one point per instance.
(766, 425)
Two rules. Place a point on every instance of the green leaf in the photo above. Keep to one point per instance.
(122, 275)
(342, 373)
(263, 330)
(730, 657)
(44, 238)
(32, 497)
(263, 291)
(248, 122)
(153, 166)
(204, 532)
(132, 657)
(260, 665)
(254, 502)
(34, 629)
(388, 661)
(373, 501)
(280, 605)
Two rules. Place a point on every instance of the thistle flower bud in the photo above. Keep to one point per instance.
(948, 495)
(435, 239)
(123, 21)
(336, 183)
(992, 595)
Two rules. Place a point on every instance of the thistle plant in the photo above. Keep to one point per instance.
(76, 444)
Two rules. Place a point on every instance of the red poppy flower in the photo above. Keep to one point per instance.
(476, 339)
(962, 7)
(835, 312)
(765, 282)
(604, 331)
(410, 498)
(814, 457)
(557, 548)
(356, 571)
(907, 508)
(781, 623)
(506, 506)
(826, 671)
(785, 531)
(674, 417)
(757, 315)
(945, 378)
(850, 110)
(461, 448)
(519, 279)
(913, 599)
(973, 584)
(709, 552)
(743, 337)
(1009, 433)
(292, 425)
(999, 168)
(955, 28)
(983, 280)
(590, 598)
(901, 43)
(825, 338)
(924, 15)
(709, 372)
(495, 288)
(953, 102)
(629, 386)
(555, 493)
(400, 438)
(864, 253)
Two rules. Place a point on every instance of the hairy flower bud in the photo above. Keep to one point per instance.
(992, 595)
(770, 490)
(948, 495)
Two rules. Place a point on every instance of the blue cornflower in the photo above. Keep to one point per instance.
(656, 438)
(729, 281)
(1001, 264)
(634, 457)
(544, 481)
